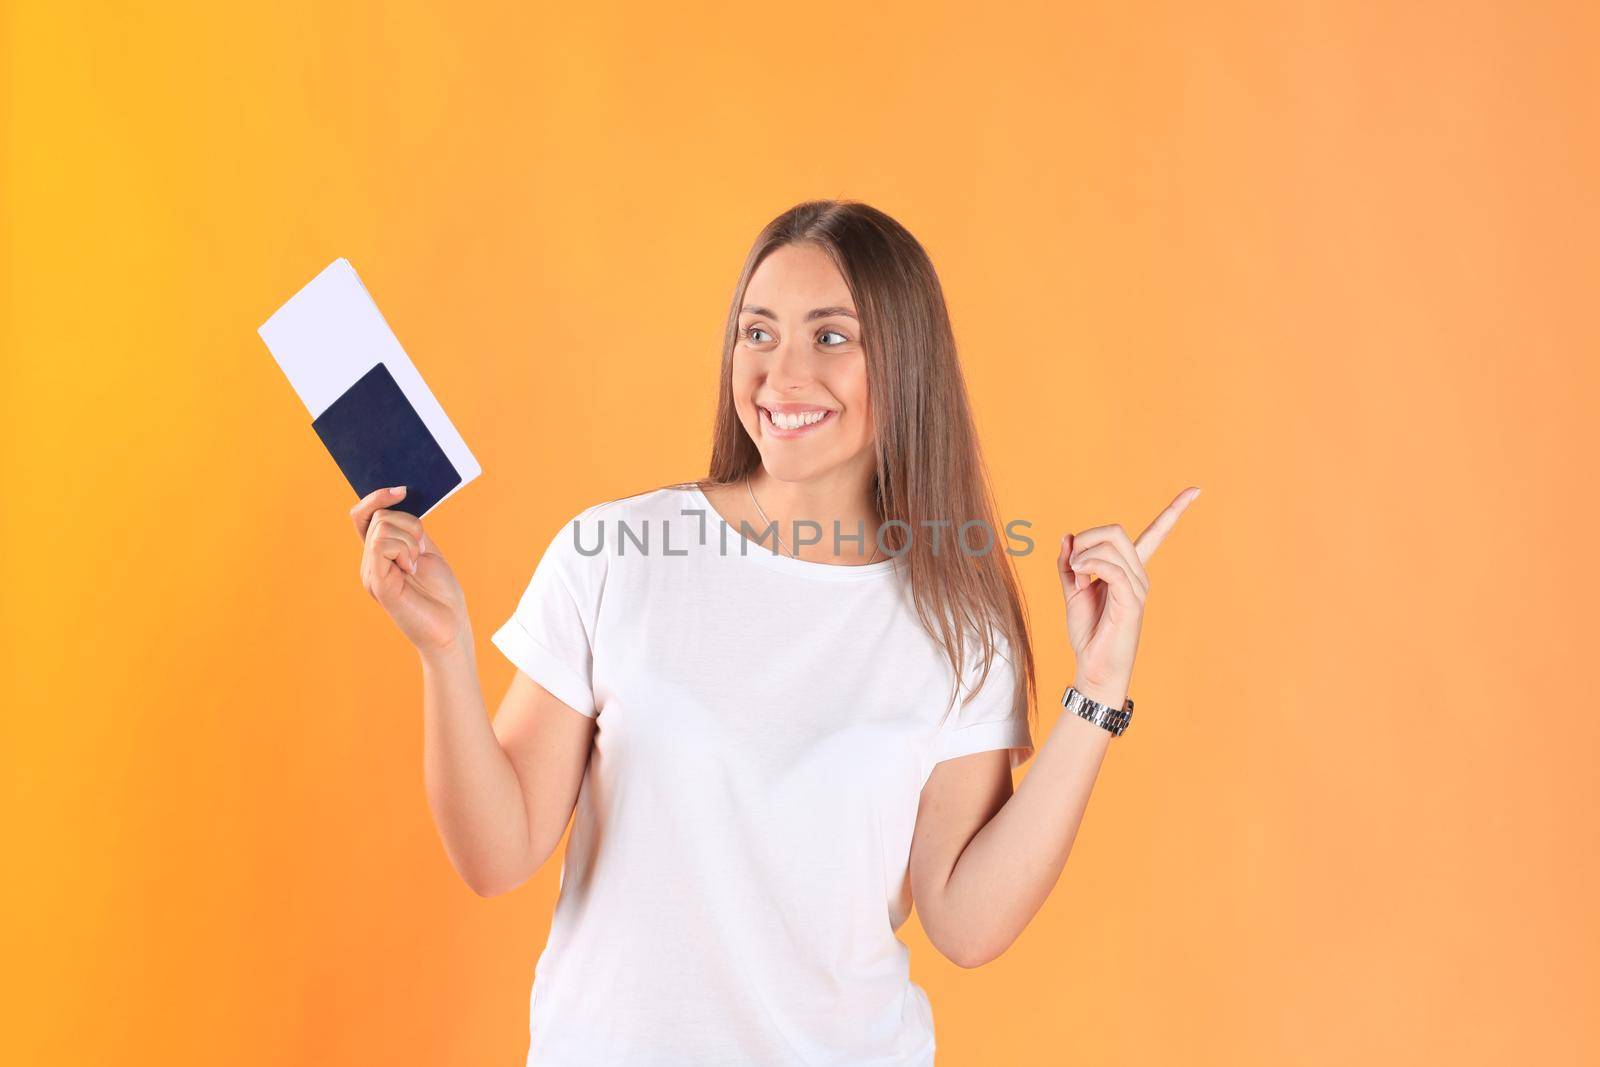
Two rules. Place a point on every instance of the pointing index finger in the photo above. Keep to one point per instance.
(1148, 541)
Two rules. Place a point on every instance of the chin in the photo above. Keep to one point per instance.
(793, 468)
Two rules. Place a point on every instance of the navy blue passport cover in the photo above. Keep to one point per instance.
(378, 440)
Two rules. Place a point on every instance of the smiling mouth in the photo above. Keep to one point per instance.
(790, 425)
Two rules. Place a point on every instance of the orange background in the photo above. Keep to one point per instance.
(1334, 263)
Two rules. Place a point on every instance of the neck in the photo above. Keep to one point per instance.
(841, 496)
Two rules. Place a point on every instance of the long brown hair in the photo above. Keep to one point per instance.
(929, 465)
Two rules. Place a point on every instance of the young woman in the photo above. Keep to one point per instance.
(784, 701)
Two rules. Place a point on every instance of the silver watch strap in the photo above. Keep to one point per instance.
(1102, 715)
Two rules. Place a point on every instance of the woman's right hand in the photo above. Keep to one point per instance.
(404, 572)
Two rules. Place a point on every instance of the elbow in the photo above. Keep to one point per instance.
(972, 953)
(492, 887)
(963, 954)
(968, 960)
(955, 945)
(492, 883)
(498, 883)
(486, 889)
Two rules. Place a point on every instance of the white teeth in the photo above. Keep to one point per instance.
(785, 421)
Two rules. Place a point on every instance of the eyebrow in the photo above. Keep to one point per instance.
(814, 313)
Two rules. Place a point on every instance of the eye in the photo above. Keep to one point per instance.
(843, 339)
(753, 329)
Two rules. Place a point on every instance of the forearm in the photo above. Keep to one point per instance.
(1009, 868)
(472, 787)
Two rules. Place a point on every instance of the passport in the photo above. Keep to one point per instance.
(367, 400)
(377, 439)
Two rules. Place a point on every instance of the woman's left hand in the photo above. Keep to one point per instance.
(1103, 617)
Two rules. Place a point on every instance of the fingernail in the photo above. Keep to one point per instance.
(397, 490)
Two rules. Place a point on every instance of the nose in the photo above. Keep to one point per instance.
(791, 366)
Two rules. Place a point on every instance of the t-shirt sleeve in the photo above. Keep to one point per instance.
(550, 635)
(988, 720)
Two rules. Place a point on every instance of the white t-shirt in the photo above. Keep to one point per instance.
(738, 862)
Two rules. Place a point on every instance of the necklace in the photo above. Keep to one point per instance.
(779, 536)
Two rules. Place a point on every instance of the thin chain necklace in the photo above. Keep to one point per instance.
(779, 536)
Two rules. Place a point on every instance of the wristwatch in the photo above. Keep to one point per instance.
(1102, 715)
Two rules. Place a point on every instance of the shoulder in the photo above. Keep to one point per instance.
(1002, 658)
(994, 707)
(993, 686)
(586, 540)
(666, 501)
(577, 561)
